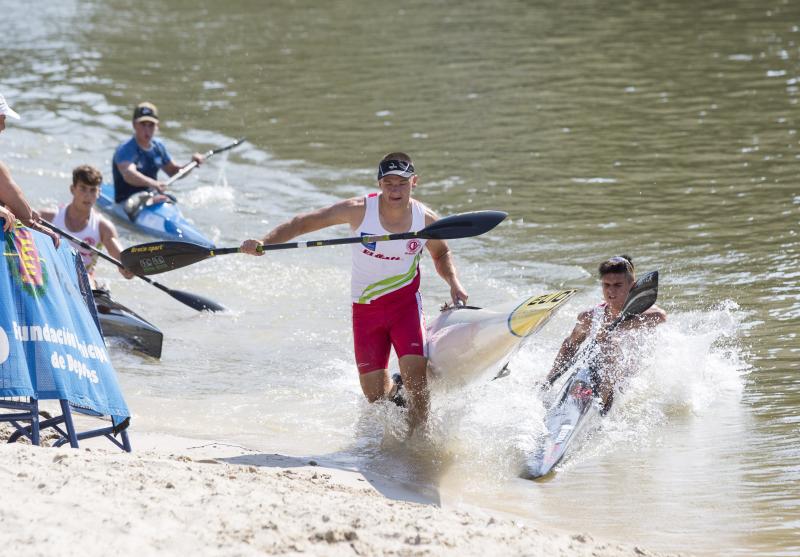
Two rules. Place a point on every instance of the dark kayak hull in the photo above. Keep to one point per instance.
(119, 322)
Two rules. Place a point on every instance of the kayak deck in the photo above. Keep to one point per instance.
(163, 220)
(571, 412)
(466, 344)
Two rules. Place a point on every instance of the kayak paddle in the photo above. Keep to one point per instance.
(192, 165)
(157, 257)
(642, 296)
(192, 300)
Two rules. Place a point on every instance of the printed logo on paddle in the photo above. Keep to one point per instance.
(150, 248)
(413, 246)
(24, 262)
(153, 264)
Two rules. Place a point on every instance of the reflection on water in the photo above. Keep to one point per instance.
(666, 130)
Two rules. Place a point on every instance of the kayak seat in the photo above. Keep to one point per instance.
(136, 203)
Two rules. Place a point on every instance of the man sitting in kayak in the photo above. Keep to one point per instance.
(387, 307)
(80, 219)
(137, 161)
(616, 278)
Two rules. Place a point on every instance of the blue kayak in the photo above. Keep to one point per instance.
(163, 219)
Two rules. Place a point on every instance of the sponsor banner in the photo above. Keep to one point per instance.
(50, 342)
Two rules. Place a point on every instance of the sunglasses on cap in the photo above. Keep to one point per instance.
(395, 167)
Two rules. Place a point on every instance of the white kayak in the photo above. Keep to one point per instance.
(569, 415)
(466, 344)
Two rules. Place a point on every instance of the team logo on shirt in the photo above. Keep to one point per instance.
(369, 245)
(378, 255)
(413, 246)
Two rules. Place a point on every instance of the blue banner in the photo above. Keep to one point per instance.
(50, 342)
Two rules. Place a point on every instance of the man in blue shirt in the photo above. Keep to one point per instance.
(137, 161)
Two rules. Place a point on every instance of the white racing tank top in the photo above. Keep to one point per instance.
(90, 234)
(381, 268)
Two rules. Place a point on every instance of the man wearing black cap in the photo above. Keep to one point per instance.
(137, 161)
(387, 307)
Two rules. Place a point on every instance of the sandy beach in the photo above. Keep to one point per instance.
(181, 496)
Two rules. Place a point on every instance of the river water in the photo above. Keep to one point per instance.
(665, 130)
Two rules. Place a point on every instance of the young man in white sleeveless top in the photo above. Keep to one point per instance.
(82, 220)
(387, 308)
(616, 278)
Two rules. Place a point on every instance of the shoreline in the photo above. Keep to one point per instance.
(179, 495)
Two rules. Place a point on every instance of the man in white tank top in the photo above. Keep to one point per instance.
(82, 220)
(387, 308)
(616, 278)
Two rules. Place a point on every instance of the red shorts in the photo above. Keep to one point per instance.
(392, 320)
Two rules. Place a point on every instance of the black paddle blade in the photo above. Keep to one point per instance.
(462, 225)
(642, 296)
(159, 257)
(194, 301)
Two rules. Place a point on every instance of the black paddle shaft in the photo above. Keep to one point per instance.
(159, 257)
